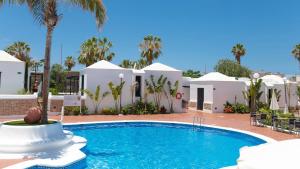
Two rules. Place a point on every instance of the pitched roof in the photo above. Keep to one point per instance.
(4, 56)
(272, 79)
(103, 64)
(215, 76)
(159, 67)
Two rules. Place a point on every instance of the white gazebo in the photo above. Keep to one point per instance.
(211, 91)
(11, 74)
(172, 74)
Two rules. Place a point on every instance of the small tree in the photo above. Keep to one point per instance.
(116, 91)
(156, 88)
(253, 94)
(232, 68)
(191, 73)
(96, 97)
(172, 93)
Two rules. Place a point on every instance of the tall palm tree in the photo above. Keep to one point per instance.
(46, 13)
(21, 51)
(238, 51)
(296, 53)
(95, 49)
(150, 48)
(88, 52)
(104, 46)
(70, 63)
(127, 63)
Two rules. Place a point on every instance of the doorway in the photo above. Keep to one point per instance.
(200, 98)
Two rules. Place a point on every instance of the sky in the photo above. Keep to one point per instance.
(195, 33)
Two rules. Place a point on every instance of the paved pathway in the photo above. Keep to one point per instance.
(237, 121)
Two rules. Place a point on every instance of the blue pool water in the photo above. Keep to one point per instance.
(146, 145)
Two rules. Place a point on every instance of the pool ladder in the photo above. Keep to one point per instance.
(197, 121)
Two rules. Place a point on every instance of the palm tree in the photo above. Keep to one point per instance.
(104, 46)
(95, 49)
(46, 13)
(88, 52)
(70, 63)
(96, 97)
(21, 51)
(127, 64)
(296, 52)
(150, 48)
(238, 51)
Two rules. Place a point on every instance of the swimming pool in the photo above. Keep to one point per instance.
(137, 145)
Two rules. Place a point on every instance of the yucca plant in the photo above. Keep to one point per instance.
(156, 88)
(96, 97)
(116, 91)
(172, 89)
(253, 94)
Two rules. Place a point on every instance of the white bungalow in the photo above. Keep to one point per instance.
(172, 74)
(11, 74)
(211, 91)
(101, 73)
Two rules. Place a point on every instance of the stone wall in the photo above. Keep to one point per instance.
(16, 106)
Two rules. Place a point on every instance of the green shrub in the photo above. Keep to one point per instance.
(53, 91)
(139, 108)
(75, 110)
(109, 111)
(240, 108)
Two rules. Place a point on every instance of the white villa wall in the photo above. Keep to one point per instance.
(102, 77)
(218, 92)
(12, 77)
(172, 76)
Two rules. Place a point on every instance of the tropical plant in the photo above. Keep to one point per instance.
(172, 91)
(296, 53)
(21, 51)
(96, 97)
(191, 73)
(156, 88)
(95, 49)
(116, 91)
(253, 94)
(127, 64)
(57, 77)
(231, 68)
(150, 48)
(46, 13)
(70, 63)
(238, 51)
(140, 64)
(104, 46)
(88, 52)
(298, 92)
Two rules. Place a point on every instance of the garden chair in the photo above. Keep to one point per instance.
(253, 117)
(262, 118)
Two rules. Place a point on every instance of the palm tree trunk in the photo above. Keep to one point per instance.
(238, 59)
(46, 75)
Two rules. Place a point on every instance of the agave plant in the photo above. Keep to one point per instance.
(172, 89)
(96, 97)
(156, 88)
(116, 91)
(253, 94)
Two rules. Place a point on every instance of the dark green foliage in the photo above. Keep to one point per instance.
(57, 77)
(253, 94)
(191, 73)
(139, 108)
(75, 110)
(53, 91)
(109, 111)
(232, 68)
(235, 108)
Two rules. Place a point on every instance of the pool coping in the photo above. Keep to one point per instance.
(78, 155)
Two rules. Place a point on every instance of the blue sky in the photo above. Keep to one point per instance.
(195, 33)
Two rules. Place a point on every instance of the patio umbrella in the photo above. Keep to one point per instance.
(274, 104)
(275, 155)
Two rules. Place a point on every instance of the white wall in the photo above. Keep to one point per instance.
(172, 76)
(102, 77)
(12, 77)
(218, 92)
